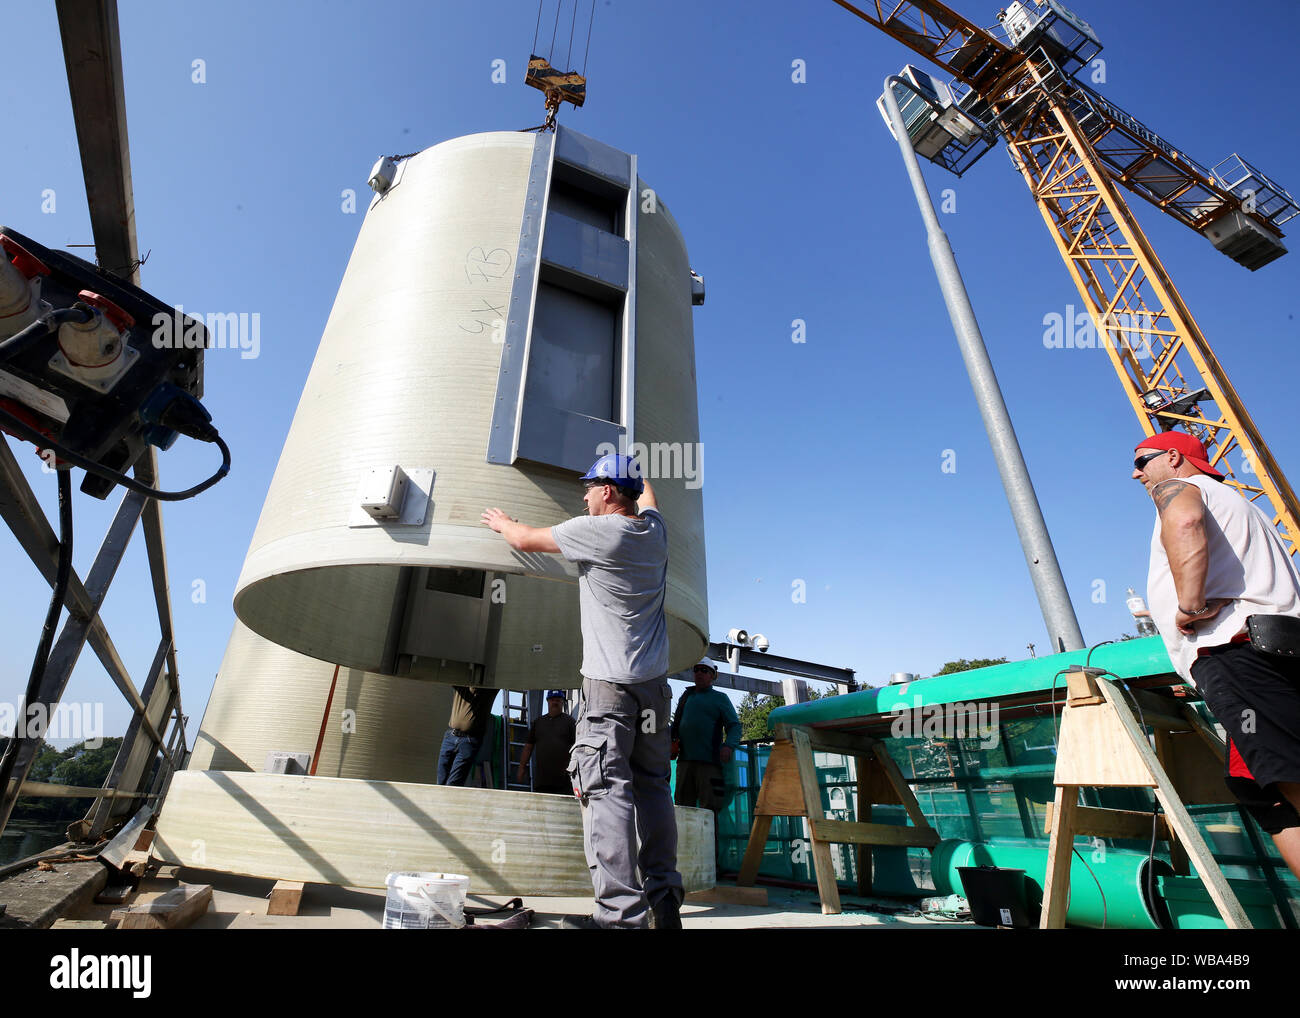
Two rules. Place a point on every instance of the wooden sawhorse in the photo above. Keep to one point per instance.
(1104, 744)
(790, 789)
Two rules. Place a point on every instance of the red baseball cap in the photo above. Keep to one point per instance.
(1192, 450)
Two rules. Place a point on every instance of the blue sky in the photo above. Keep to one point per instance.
(822, 459)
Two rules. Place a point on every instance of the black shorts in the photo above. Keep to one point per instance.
(1256, 697)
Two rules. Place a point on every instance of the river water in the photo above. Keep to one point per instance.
(22, 838)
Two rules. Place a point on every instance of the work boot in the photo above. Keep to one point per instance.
(579, 922)
(665, 914)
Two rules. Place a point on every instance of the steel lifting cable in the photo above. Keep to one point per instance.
(550, 56)
(568, 59)
(536, 28)
(590, 21)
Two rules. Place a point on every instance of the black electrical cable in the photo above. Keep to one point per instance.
(1099, 888)
(1087, 660)
(42, 328)
(26, 432)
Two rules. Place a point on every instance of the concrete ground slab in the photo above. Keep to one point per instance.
(241, 902)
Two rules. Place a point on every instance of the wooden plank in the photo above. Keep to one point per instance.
(354, 833)
(178, 907)
(1158, 711)
(1193, 767)
(850, 833)
(879, 789)
(79, 924)
(1111, 823)
(865, 767)
(1234, 916)
(1207, 734)
(1060, 848)
(754, 850)
(726, 895)
(1094, 750)
(286, 897)
(780, 794)
(136, 862)
(901, 788)
(823, 867)
(124, 841)
(1081, 689)
(828, 741)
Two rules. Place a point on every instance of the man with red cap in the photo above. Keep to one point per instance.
(1217, 560)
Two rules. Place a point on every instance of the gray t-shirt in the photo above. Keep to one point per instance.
(622, 569)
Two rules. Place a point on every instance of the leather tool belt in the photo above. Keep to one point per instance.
(1275, 634)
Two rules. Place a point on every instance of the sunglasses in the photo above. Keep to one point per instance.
(1142, 461)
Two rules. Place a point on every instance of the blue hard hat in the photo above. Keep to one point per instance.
(556, 694)
(619, 470)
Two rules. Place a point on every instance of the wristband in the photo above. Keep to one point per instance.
(1196, 613)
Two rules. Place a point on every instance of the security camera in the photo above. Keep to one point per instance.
(759, 642)
(738, 637)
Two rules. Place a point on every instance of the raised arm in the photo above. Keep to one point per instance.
(518, 535)
(647, 499)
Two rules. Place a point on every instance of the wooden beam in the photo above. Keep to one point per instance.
(286, 897)
(901, 788)
(826, 741)
(781, 794)
(354, 833)
(754, 850)
(92, 55)
(850, 833)
(1060, 848)
(178, 907)
(823, 868)
(1111, 823)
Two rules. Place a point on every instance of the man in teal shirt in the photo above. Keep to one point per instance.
(706, 732)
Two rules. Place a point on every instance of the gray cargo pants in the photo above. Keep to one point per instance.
(619, 767)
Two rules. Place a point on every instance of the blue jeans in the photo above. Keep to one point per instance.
(456, 757)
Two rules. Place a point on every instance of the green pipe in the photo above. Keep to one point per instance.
(1128, 659)
(1121, 874)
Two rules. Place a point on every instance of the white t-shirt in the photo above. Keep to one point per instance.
(622, 571)
(1247, 563)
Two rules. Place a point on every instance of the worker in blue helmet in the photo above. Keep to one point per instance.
(623, 471)
(619, 765)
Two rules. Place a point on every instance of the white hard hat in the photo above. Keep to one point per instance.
(706, 663)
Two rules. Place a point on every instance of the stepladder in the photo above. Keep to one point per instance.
(1103, 743)
(790, 788)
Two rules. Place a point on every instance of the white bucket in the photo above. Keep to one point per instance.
(425, 901)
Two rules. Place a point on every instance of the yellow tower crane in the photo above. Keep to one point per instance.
(1076, 149)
